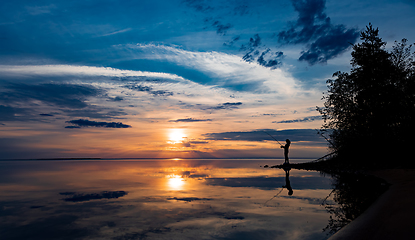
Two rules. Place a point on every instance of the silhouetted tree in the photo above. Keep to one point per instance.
(370, 111)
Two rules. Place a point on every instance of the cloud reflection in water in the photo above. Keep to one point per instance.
(156, 199)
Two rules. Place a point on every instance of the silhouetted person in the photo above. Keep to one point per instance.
(286, 147)
(287, 181)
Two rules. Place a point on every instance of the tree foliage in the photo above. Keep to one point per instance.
(372, 108)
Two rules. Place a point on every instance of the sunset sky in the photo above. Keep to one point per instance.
(176, 78)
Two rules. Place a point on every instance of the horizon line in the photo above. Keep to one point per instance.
(69, 159)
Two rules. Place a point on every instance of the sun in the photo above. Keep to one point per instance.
(176, 135)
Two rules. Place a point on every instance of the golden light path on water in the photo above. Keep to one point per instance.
(175, 181)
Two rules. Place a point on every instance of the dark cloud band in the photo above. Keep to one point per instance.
(314, 28)
(191, 120)
(306, 119)
(80, 197)
(87, 123)
(261, 135)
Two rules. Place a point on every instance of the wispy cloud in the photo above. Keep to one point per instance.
(232, 41)
(225, 70)
(74, 70)
(215, 13)
(221, 28)
(39, 10)
(256, 52)
(251, 47)
(61, 94)
(150, 90)
(9, 113)
(29, 102)
(116, 32)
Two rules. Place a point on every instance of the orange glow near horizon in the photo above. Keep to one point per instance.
(166, 141)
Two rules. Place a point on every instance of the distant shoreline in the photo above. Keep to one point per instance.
(109, 159)
(50, 159)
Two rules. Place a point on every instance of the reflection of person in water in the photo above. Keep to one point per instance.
(286, 147)
(287, 181)
(287, 185)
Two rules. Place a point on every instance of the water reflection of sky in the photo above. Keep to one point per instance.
(155, 199)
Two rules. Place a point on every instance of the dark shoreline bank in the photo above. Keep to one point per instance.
(391, 215)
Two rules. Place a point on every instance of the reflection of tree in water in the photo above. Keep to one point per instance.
(353, 194)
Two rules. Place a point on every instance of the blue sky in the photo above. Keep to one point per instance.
(120, 78)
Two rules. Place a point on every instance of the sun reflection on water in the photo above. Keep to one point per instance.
(175, 182)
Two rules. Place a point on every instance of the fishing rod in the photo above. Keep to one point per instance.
(273, 138)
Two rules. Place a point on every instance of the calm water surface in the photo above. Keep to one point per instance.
(160, 199)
